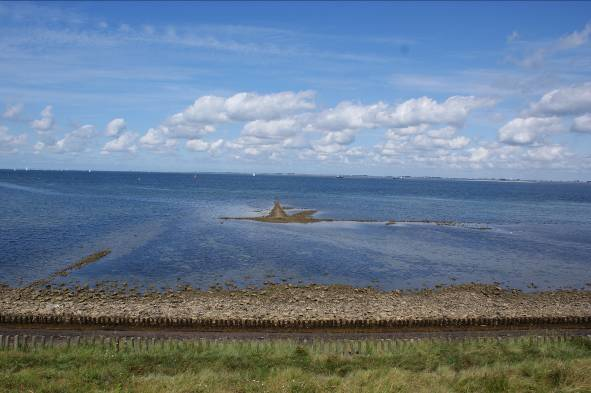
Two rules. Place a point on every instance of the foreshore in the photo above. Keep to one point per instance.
(285, 305)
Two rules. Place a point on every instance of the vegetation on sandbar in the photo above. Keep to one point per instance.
(279, 216)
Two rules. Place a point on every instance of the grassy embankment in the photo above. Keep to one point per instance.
(508, 366)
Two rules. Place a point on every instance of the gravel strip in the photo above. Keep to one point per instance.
(285, 302)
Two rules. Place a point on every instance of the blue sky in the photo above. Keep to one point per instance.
(443, 89)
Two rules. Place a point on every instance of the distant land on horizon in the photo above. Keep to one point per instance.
(338, 175)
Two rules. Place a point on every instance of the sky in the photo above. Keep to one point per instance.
(454, 89)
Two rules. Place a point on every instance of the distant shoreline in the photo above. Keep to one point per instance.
(339, 176)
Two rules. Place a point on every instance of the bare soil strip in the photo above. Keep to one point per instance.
(47, 331)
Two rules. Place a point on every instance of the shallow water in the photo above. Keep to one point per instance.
(164, 230)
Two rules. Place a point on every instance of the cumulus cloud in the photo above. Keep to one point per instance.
(413, 112)
(13, 112)
(274, 123)
(46, 122)
(267, 116)
(479, 154)
(421, 143)
(425, 110)
(73, 142)
(546, 153)
(9, 143)
(565, 101)
(115, 127)
(272, 129)
(525, 131)
(348, 115)
(124, 143)
(247, 106)
(489, 155)
(198, 145)
(153, 138)
(414, 117)
(582, 124)
(425, 141)
(200, 118)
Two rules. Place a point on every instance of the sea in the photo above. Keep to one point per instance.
(166, 230)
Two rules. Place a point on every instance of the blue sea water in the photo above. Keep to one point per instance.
(165, 230)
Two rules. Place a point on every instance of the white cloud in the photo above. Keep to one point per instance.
(575, 39)
(216, 145)
(10, 143)
(413, 112)
(124, 143)
(207, 111)
(267, 116)
(152, 138)
(73, 142)
(115, 127)
(197, 145)
(525, 131)
(420, 141)
(287, 120)
(248, 106)
(156, 139)
(425, 141)
(564, 101)
(582, 123)
(412, 117)
(425, 110)
(348, 115)
(569, 41)
(487, 155)
(13, 111)
(546, 153)
(272, 129)
(344, 137)
(479, 154)
(46, 122)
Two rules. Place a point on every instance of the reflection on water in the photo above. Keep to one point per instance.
(164, 229)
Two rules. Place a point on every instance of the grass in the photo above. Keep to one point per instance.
(250, 366)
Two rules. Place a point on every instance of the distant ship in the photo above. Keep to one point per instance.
(254, 174)
(340, 177)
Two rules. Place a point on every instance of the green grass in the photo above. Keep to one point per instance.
(508, 366)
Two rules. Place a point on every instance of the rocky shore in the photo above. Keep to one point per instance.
(292, 303)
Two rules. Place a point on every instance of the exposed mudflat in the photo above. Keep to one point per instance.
(285, 302)
(277, 215)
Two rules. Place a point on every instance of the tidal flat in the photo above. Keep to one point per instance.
(165, 230)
